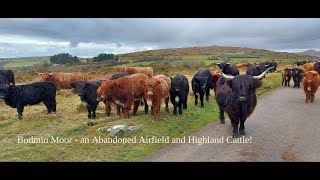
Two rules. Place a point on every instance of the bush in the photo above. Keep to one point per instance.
(104, 57)
(64, 58)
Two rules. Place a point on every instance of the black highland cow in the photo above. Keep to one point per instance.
(179, 91)
(29, 94)
(201, 85)
(236, 95)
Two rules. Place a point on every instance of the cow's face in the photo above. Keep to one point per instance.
(150, 85)
(175, 85)
(201, 83)
(223, 66)
(101, 95)
(243, 87)
(296, 72)
(4, 91)
(310, 77)
(80, 87)
(287, 72)
(45, 76)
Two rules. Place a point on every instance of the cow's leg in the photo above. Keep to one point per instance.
(135, 107)
(20, 111)
(221, 115)
(126, 109)
(195, 98)
(93, 109)
(175, 109)
(89, 111)
(119, 109)
(48, 106)
(235, 127)
(166, 101)
(242, 129)
(207, 94)
(307, 97)
(157, 112)
(289, 83)
(201, 99)
(282, 81)
(180, 108)
(152, 111)
(312, 98)
(185, 104)
(107, 108)
(54, 105)
(146, 107)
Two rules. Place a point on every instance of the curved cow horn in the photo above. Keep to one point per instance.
(225, 76)
(261, 75)
(267, 65)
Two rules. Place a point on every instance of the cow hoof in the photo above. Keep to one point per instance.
(90, 123)
(222, 121)
(242, 132)
(235, 135)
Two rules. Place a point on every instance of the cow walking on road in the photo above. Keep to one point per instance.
(236, 95)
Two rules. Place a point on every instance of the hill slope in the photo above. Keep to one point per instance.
(310, 53)
(212, 51)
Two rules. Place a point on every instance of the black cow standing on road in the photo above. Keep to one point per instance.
(29, 94)
(297, 76)
(201, 85)
(179, 91)
(236, 95)
(286, 76)
(9, 75)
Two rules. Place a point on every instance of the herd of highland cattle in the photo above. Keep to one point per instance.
(136, 86)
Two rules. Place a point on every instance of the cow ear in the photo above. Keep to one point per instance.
(73, 85)
(50, 74)
(196, 80)
(303, 74)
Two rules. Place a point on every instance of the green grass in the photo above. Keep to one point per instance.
(21, 63)
(70, 122)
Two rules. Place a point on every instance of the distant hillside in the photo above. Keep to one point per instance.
(211, 50)
(39, 58)
(310, 53)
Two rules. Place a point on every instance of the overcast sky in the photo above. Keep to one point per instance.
(88, 37)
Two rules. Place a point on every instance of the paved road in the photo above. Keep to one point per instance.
(282, 128)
